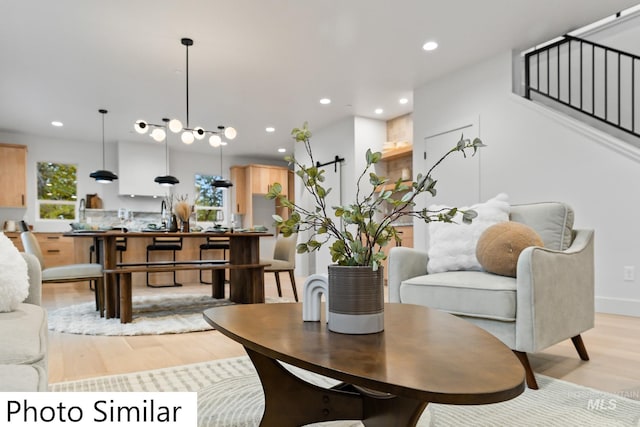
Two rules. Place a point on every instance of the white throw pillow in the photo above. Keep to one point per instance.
(14, 276)
(452, 246)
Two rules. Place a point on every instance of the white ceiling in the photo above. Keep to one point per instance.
(254, 63)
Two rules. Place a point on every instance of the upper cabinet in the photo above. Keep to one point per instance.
(13, 176)
(239, 200)
(256, 180)
(262, 177)
(138, 165)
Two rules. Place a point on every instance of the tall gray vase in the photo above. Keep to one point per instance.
(356, 300)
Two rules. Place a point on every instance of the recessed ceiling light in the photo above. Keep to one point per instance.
(56, 123)
(270, 129)
(379, 111)
(223, 142)
(403, 101)
(430, 45)
(282, 150)
(325, 101)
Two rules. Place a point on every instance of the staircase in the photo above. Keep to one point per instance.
(589, 81)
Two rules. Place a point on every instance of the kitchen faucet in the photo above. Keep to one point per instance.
(163, 214)
(82, 211)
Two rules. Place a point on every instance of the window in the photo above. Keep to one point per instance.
(57, 191)
(210, 201)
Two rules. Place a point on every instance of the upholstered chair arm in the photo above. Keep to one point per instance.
(555, 293)
(35, 279)
(404, 263)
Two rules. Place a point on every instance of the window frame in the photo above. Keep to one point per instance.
(43, 202)
(224, 201)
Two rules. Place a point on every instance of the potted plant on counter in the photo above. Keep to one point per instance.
(365, 227)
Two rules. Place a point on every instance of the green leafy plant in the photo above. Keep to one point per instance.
(366, 225)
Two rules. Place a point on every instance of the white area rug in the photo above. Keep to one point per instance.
(152, 315)
(230, 395)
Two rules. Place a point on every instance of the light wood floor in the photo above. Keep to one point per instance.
(613, 346)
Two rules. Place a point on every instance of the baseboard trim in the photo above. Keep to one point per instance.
(622, 306)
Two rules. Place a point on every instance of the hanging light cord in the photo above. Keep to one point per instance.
(103, 149)
(166, 146)
(221, 162)
(187, 46)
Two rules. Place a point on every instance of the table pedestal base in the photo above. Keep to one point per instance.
(290, 401)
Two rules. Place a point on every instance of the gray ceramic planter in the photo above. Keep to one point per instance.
(356, 300)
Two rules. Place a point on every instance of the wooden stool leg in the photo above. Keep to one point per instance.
(125, 298)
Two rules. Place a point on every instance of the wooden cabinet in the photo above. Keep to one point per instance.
(261, 178)
(13, 176)
(256, 180)
(56, 249)
(15, 239)
(239, 193)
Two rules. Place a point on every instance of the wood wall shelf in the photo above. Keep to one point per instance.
(390, 186)
(397, 152)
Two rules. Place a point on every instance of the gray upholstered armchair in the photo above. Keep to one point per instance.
(24, 337)
(550, 299)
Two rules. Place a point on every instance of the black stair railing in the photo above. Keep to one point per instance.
(597, 80)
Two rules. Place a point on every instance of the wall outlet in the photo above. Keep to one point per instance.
(629, 273)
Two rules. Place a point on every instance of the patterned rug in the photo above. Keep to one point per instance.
(229, 395)
(152, 315)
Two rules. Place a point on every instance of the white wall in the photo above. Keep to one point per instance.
(349, 138)
(326, 143)
(534, 156)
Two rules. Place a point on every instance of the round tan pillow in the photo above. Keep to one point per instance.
(499, 246)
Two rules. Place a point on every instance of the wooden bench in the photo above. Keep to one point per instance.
(121, 305)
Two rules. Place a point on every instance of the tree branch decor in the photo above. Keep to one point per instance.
(367, 222)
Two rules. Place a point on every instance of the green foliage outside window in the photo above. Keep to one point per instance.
(208, 198)
(57, 190)
(57, 211)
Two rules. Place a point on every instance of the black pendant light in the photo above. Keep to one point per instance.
(103, 176)
(166, 180)
(222, 183)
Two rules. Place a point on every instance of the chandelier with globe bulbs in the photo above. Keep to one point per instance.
(189, 134)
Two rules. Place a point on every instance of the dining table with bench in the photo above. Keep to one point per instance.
(246, 273)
